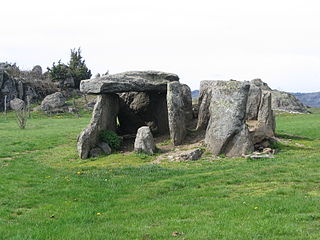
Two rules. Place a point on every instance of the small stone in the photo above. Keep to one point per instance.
(144, 141)
(95, 152)
(105, 147)
(193, 154)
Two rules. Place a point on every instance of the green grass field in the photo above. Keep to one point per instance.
(47, 192)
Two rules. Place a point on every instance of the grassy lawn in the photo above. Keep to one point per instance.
(47, 192)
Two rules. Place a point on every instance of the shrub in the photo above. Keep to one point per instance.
(22, 117)
(111, 138)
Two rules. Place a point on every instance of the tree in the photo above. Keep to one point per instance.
(59, 73)
(75, 70)
(78, 67)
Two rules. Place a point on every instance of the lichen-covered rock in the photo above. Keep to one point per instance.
(176, 114)
(187, 102)
(103, 118)
(137, 81)
(52, 101)
(253, 103)
(144, 141)
(281, 101)
(190, 155)
(17, 104)
(204, 104)
(227, 132)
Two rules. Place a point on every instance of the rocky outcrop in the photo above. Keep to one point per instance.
(176, 114)
(227, 132)
(17, 104)
(29, 87)
(281, 101)
(144, 141)
(137, 81)
(103, 118)
(53, 101)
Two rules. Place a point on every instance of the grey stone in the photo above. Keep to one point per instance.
(176, 115)
(263, 128)
(204, 104)
(103, 118)
(96, 152)
(144, 141)
(187, 102)
(253, 102)
(227, 132)
(105, 147)
(17, 104)
(193, 154)
(137, 81)
(52, 101)
(282, 101)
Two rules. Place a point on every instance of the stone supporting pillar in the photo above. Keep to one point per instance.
(176, 114)
(104, 117)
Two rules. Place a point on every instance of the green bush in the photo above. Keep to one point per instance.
(111, 138)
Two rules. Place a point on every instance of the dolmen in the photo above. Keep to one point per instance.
(129, 100)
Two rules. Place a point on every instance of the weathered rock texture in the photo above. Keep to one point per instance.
(227, 132)
(137, 81)
(103, 118)
(144, 141)
(32, 89)
(17, 104)
(261, 122)
(187, 102)
(53, 101)
(282, 101)
(176, 114)
(204, 103)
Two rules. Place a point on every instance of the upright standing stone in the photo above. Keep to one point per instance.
(103, 118)
(204, 104)
(144, 141)
(227, 132)
(187, 102)
(176, 116)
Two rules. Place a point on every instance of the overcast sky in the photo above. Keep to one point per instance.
(275, 40)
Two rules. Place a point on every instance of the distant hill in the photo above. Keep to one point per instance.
(309, 99)
(195, 94)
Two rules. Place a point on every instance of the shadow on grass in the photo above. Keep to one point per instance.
(293, 137)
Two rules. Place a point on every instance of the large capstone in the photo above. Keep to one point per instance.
(103, 118)
(227, 132)
(137, 81)
(176, 114)
(144, 141)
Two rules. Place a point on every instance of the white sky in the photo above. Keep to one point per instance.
(275, 40)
